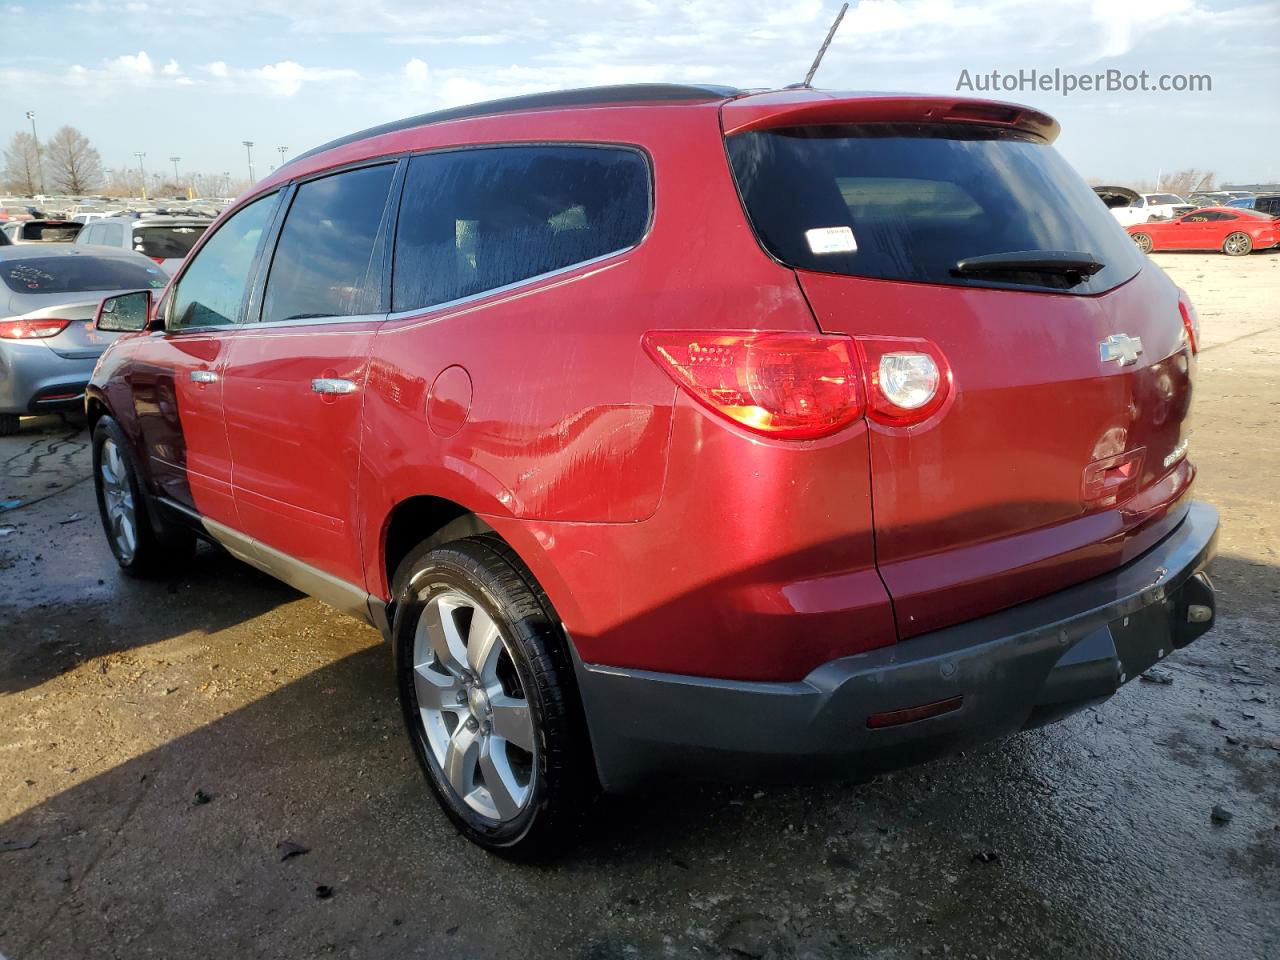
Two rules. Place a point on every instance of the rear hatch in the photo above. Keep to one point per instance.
(1059, 452)
(168, 243)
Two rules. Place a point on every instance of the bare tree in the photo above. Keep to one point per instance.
(74, 165)
(1186, 182)
(21, 172)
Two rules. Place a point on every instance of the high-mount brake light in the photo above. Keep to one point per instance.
(908, 379)
(795, 386)
(37, 329)
(1190, 321)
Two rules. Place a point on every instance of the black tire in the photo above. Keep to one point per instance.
(562, 780)
(1237, 244)
(1143, 240)
(9, 424)
(157, 550)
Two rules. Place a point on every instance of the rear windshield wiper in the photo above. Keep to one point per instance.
(1070, 265)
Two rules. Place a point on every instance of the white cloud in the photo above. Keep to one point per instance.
(137, 69)
(217, 68)
(416, 74)
(171, 69)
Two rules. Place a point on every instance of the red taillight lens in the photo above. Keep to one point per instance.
(794, 386)
(1190, 321)
(158, 259)
(31, 329)
(908, 379)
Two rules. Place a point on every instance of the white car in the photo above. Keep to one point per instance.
(166, 240)
(1129, 207)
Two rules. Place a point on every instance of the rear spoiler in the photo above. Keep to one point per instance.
(800, 108)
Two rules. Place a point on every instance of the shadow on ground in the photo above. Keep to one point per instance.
(1088, 838)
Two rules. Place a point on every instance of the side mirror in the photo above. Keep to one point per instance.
(124, 313)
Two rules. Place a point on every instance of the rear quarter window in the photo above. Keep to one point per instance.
(477, 220)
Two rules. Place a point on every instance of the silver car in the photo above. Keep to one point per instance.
(48, 345)
(166, 240)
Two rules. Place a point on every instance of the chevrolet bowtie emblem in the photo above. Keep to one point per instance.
(1120, 347)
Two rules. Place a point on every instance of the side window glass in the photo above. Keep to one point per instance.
(212, 287)
(476, 220)
(323, 264)
(112, 234)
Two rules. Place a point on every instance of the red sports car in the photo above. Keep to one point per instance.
(1234, 231)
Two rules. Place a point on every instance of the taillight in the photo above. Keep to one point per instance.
(908, 379)
(32, 329)
(158, 259)
(1190, 321)
(794, 386)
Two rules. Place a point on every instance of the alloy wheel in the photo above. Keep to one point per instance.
(1143, 241)
(473, 706)
(117, 498)
(1237, 244)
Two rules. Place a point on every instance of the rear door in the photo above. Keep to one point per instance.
(295, 380)
(1057, 454)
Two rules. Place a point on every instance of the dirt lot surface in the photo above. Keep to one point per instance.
(158, 741)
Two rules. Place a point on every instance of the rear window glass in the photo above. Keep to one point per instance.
(1162, 198)
(167, 242)
(78, 275)
(909, 201)
(50, 232)
(476, 220)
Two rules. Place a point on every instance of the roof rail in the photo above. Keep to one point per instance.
(582, 97)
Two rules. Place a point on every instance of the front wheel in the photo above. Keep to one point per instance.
(488, 695)
(140, 547)
(1143, 240)
(1237, 245)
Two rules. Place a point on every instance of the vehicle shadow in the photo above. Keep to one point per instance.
(1044, 844)
(47, 634)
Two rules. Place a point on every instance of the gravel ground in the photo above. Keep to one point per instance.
(159, 741)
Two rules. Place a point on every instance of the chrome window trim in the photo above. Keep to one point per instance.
(312, 321)
(498, 291)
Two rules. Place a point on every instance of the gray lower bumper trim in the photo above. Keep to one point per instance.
(1020, 667)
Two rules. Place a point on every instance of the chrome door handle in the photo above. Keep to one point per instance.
(331, 387)
(203, 376)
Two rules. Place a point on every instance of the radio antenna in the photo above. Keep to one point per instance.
(808, 77)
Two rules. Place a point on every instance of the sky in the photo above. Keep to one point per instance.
(195, 78)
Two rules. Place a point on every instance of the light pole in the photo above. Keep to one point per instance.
(226, 183)
(248, 149)
(31, 115)
(283, 151)
(177, 182)
(142, 170)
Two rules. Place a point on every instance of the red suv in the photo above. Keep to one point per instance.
(680, 432)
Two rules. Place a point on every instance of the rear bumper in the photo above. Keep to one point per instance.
(1019, 668)
(31, 373)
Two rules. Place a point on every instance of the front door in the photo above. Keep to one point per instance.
(294, 382)
(176, 375)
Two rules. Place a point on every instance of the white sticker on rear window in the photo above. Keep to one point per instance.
(831, 240)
